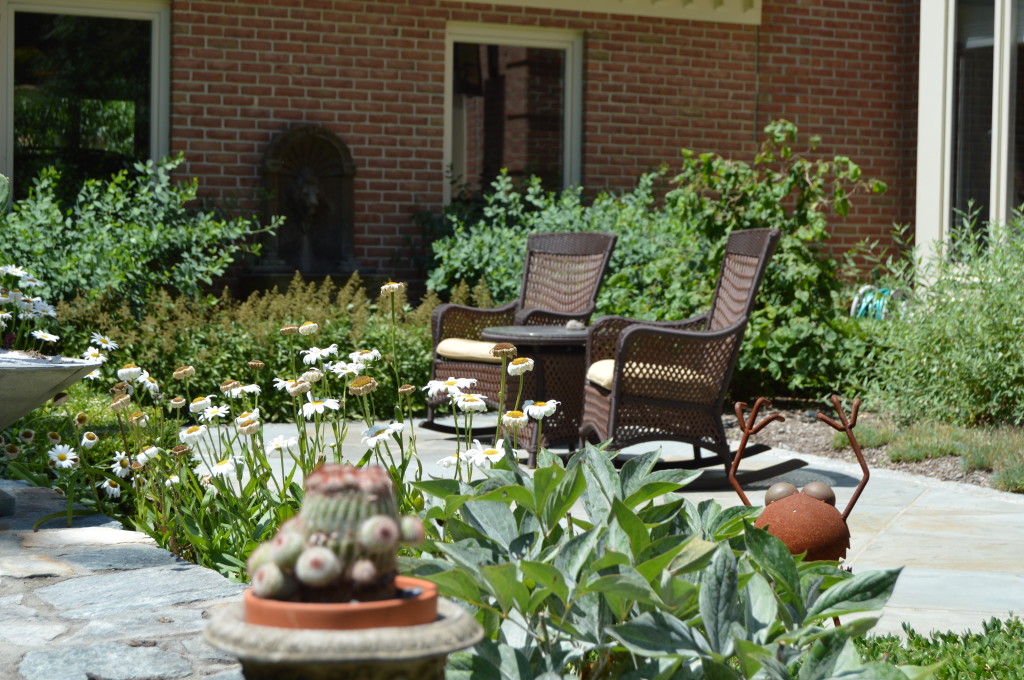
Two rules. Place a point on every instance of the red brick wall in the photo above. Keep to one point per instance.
(243, 71)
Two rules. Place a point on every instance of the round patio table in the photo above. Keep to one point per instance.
(559, 371)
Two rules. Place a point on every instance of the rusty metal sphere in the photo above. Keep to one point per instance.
(806, 524)
(821, 491)
(778, 491)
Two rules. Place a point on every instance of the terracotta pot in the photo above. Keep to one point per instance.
(417, 606)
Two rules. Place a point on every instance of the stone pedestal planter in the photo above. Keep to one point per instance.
(27, 382)
(414, 652)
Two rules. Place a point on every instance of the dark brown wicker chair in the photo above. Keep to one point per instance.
(561, 276)
(666, 381)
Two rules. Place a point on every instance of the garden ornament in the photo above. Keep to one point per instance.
(805, 521)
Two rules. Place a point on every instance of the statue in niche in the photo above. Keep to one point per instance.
(308, 173)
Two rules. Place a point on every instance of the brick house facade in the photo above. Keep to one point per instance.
(242, 72)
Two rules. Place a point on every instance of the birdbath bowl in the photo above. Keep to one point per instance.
(27, 381)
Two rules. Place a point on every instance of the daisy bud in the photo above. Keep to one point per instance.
(298, 387)
(503, 349)
(312, 376)
(183, 372)
(229, 385)
(308, 328)
(317, 566)
(256, 365)
(177, 402)
(406, 389)
(289, 330)
(89, 440)
(364, 384)
(27, 436)
(179, 450)
(81, 420)
(391, 287)
(249, 427)
(138, 419)
(120, 402)
(11, 451)
(53, 437)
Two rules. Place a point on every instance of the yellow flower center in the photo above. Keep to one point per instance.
(198, 400)
(490, 452)
(540, 403)
(123, 462)
(62, 457)
(515, 414)
(519, 361)
(192, 430)
(361, 381)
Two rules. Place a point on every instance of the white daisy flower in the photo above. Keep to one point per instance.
(488, 456)
(63, 456)
(315, 354)
(190, 435)
(146, 454)
(172, 480)
(112, 488)
(244, 389)
(30, 282)
(44, 308)
(281, 444)
(514, 419)
(54, 437)
(94, 354)
(452, 386)
(297, 387)
(13, 270)
(89, 440)
(540, 409)
(391, 287)
(364, 356)
(471, 403)
(177, 402)
(139, 419)
(45, 337)
(396, 427)
(149, 382)
(27, 436)
(103, 342)
(248, 415)
(344, 370)
(248, 427)
(93, 375)
(308, 328)
(520, 365)
(224, 467)
(283, 384)
(129, 372)
(312, 376)
(379, 433)
(122, 465)
(183, 372)
(201, 403)
(449, 461)
(212, 412)
(313, 406)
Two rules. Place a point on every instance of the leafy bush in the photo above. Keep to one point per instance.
(993, 653)
(220, 339)
(125, 237)
(670, 246)
(641, 589)
(951, 350)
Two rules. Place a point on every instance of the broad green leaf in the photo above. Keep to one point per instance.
(717, 670)
(505, 585)
(576, 552)
(656, 634)
(621, 589)
(752, 657)
(509, 494)
(696, 553)
(546, 576)
(635, 471)
(457, 584)
(866, 591)
(493, 519)
(772, 555)
(488, 660)
(760, 608)
(819, 662)
(668, 548)
(544, 481)
(602, 481)
(562, 497)
(635, 530)
(521, 545)
(610, 558)
(718, 592)
(659, 483)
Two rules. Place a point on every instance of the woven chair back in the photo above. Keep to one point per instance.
(746, 256)
(563, 271)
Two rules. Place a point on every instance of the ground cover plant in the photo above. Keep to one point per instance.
(672, 233)
(992, 654)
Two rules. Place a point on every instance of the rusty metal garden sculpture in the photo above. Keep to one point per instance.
(805, 521)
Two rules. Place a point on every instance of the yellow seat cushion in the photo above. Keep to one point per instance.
(601, 373)
(460, 349)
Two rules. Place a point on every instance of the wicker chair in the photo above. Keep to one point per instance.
(561, 276)
(666, 381)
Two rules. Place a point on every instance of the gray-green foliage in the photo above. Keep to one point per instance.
(641, 589)
(5, 193)
(670, 245)
(951, 351)
(124, 237)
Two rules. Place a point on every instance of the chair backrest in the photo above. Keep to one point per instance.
(563, 270)
(746, 257)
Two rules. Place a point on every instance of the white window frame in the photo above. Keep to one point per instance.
(935, 118)
(570, 42)
(156, 11)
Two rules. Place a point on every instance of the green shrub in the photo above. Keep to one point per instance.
(665, 264)
(125, 237)
(994, 653)
(951, 351)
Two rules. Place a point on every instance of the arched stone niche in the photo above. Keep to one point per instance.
(308, 174)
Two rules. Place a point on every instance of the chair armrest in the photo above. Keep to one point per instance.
(603, 334)
(546, 317)
(461, 321)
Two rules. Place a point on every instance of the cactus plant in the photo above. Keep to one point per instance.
(342, 545)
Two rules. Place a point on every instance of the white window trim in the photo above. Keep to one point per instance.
(935, 119)
(523, 36)
(156, 11)
(723, 11)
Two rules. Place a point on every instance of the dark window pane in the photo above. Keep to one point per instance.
(81, 96)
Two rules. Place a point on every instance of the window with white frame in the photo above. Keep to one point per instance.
(513, 100)
(970, 114)
(85, 86)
